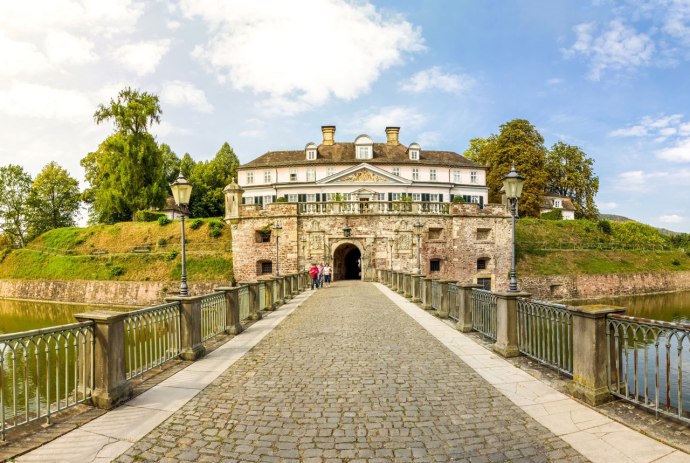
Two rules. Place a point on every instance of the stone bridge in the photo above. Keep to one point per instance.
(353, 373)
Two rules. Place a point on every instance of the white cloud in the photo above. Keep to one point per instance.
(680, 152)
(374, 122)
(555, 81)
(102, 17)
(607, 205)
(165, 128)
(633, 131)
(660, 127)
(646, 181)
(672, 218)
(25, 58)
(435, 78)
(429, 140)
(64, 48)
(142, 58)
(41, 101)
(619, 47)
(185, 94)
(299, 54)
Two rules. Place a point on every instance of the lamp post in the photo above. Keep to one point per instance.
(418, 228)
(277, 228)
(346, 229)
(182, 191)
(512, 186)
(390, 245)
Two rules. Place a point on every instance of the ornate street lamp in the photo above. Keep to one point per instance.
(418, 228)
(512, 186)
(182, 191)
(277, 228)
(390, 245)
(346, 229)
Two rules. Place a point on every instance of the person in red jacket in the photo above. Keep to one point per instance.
(314, 275)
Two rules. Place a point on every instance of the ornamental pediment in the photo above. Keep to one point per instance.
(364, 173)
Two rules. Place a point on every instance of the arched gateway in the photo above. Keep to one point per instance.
(347, 262)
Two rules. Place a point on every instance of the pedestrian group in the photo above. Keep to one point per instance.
(320, 275)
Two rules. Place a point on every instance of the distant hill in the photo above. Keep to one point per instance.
(620, 218)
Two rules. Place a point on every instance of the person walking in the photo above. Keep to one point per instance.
(321, 275)
(327, 272)
(314, 275)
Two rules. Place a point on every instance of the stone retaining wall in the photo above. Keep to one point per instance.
(589, 286)
(129, 293)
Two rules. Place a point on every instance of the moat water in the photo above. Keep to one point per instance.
(670, 307)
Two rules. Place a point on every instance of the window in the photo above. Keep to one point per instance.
(434, 198)
(292, 198)
(330, 171)
(414, 155)
(485, 282)
(557, 203)
(435, 233)
(414, 150)
(473, 176)
(381, 196)
(396, 196)
(474, 199)
(293, 175)
(416, 196)
(415, 174)
(250, 178)
(396, 171)
(432, 175)
(435, 265)
(311, 175)
(481, 264)
(267, 176)
(456, 176)
(264, 267)
(364, 152)
(263, 237)
(311, 154)
(268, 199)
(249, 200)
(483, 234)
(311, 198)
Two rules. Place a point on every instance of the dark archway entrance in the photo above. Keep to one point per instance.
(347, 262)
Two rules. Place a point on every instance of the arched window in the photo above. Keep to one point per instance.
(310, 150)
(364, 147)
(414, 150)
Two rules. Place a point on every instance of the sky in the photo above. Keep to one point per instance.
(612, 77)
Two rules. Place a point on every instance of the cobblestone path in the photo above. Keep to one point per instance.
(349, 377)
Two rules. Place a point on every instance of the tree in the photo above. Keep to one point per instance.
(519, 144)
(126, 172)
(571, 174)
(15, 187)
(171, 163)
(54, 200)
(209, 180)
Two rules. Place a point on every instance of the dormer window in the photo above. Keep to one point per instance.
(557, 203)
(310, 149)
(364, 147)
(413, 151)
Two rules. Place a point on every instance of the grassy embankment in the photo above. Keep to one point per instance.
(549, 247)
(128, 251)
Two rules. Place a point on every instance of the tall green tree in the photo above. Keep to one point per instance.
(209, 180)
(571, 174)
(54, 200)
(15, 187)
(126, 173)
(171, 163)
(519, 144)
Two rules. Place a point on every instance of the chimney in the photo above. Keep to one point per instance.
(392, 136)
(328, 134)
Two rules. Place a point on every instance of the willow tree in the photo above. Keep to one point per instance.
(127, 171)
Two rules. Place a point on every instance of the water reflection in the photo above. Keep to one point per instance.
(17, 316)
(670, 307)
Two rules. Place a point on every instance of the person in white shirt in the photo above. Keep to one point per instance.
(327, 273)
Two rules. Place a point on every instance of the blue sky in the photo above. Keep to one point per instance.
(609, 76)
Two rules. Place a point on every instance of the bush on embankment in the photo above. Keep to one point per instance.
(126, 251)
(568, 247)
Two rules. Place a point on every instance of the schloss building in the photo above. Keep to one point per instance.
(365, 206)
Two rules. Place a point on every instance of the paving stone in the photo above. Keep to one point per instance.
(350, 377)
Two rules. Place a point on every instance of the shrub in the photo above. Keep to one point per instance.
(196, 223)
(675, 262)
(163, 220)
(117, 270)
(604, 226)
(148, 216)
(458, 200)
(171, 255)
(282, 199)
(215, 227)
(162, 241)
(555, 214)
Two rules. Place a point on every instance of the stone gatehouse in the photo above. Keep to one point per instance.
(366, 206)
